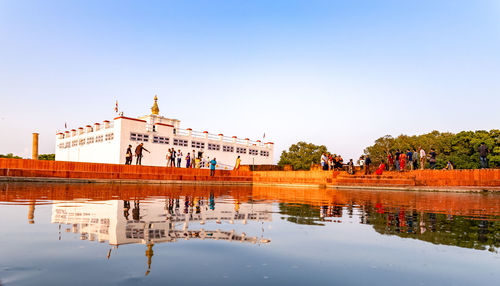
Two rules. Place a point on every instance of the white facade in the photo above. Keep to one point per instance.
(107, 142)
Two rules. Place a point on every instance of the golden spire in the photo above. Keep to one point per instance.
(155, 110)
(149, 255)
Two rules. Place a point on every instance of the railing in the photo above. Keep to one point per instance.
(211, 136)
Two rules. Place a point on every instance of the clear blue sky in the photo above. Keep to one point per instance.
(338, 73)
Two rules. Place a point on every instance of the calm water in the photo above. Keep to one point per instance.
(128, 235)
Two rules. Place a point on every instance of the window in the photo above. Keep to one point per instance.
(74, 143)
(109, 136)
(139, 137)
(98, 138)
(215, 147)
(264, 153)
(180, 142)
(253, 152)
(196, 144)
(226, 148)
(82, 141)
(67, 145)
(240, 150)
(90, 140)
(61, 145)
(161, 140)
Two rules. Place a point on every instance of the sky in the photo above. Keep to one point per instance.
(334, 73)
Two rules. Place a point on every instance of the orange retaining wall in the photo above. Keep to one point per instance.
(76, 170)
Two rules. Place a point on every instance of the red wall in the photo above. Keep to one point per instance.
(434, 178)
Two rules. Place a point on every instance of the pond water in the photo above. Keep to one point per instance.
(90, 234)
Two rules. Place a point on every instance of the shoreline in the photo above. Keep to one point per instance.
(456, 189)
(25, 170)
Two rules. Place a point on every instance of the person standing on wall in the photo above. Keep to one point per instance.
(402, 161)
(138, 153)
(432, 160)
(350, 167)
(483, 153)
(409, 158)
(390, 161)
(193, 160)
(213, 163)
(168, 156)
(323, 161)
(415, 159)
(237, 165)
(188, 160)
(179, 158)
(422, 158)
(128, 155)
(396, 159)
(368, 162)
(172, 158)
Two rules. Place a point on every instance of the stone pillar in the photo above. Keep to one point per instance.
(35, 146)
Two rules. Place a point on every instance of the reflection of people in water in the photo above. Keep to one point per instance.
(483, 231)
(237, 205)
(126, 208)
(212, 201)
(136, 211)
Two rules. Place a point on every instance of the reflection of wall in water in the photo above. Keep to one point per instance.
(122, 222)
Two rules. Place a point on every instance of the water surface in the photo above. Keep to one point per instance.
(88, 234)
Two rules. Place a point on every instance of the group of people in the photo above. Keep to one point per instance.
(331, 162)
(410, 159)
(174, 159)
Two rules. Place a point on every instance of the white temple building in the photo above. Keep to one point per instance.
(107, 142)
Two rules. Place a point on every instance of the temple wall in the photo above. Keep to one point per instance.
(487, 178)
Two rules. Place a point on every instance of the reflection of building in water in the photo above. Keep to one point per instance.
(123, 222)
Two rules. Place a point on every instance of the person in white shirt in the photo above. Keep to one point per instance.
(422, 158)
(323, 161)
(179, 158)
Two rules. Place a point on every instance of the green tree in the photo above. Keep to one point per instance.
(302, 155)
(48, 157)
(10, 155)
(460, 148)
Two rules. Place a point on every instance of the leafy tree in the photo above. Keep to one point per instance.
(48, 157)
(302, 155)
(460, 148)
(10, 155)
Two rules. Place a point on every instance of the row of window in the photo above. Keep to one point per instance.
(139, 137)
(196, 144)
(214, 147)
(89, 140)
(161, 140)
(180, 142)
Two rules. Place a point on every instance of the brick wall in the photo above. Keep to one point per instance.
(76, 170)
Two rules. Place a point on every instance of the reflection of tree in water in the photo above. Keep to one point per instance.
(439, 228)
(300, 213)
(469, 232)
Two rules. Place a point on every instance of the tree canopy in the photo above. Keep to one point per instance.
(460, 149)
(302, 155)
(48, 157)
(10, 155)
